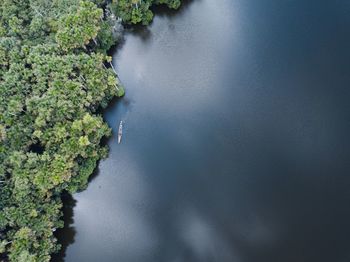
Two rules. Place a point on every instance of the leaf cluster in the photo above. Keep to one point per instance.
(138, 11)
(53, 79)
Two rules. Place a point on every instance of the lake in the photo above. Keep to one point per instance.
(235, 144)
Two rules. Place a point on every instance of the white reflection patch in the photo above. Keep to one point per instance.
(203, 239)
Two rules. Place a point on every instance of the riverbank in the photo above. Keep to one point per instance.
(55, 76)
(250, 164)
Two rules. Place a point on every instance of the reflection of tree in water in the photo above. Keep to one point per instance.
(65, 236)
(161, 10)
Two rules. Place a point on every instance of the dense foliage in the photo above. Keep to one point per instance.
(53, 79)
(138, 11)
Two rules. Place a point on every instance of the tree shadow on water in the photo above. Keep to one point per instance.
(139, 30)
(164, 10)
(161, 10)
(66, 235)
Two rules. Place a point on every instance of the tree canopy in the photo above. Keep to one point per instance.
(54, 76)
(53, 79)
(138, 11)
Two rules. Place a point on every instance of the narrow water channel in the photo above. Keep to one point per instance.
(236, 139)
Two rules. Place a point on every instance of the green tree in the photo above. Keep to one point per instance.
(78, 28)
(53, 79)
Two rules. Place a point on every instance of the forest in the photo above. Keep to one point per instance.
(55, 77)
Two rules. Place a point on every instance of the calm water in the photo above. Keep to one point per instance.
(236, 139)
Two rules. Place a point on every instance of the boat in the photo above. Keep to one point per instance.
(120, 131)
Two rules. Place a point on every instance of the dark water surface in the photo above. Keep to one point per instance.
(236, 139)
